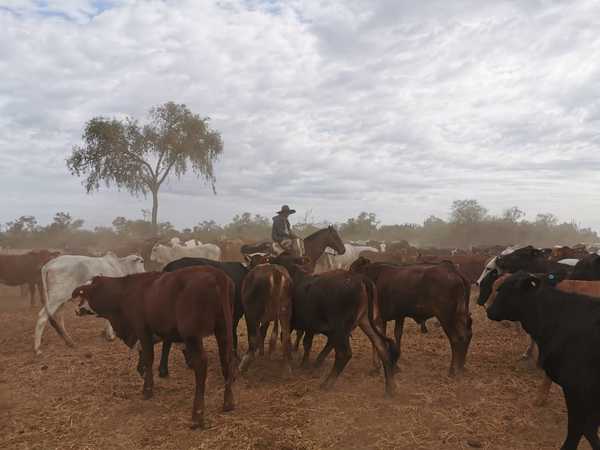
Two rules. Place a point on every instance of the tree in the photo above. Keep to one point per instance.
(139, 158)
(547, 220)
(467, 212)
(513, 214)
(362, 226)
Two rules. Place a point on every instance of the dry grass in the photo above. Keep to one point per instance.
(90, 396)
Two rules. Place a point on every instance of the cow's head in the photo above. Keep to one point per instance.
(512, 296)
(359, 264)
(486, 285)
(81, 295)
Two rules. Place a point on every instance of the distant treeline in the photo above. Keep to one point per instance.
(468, 224)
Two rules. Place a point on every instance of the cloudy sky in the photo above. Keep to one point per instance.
(395, 107)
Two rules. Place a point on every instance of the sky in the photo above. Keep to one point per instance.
(333, 107)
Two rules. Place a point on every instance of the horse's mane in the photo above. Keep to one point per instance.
(316, 233)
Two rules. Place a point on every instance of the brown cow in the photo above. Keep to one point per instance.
(266, 297)
(16, 270)
(182, 306)
(589, 288)
(470, 266)
(422, 291)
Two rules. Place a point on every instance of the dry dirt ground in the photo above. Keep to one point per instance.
(89, 397)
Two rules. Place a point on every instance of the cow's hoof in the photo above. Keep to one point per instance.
(148, 395)
(197, 425)
(228, 407)
(163, 373)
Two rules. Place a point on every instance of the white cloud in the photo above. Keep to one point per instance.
(389, 106)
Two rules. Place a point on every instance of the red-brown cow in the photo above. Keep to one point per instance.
(422, 291)
(267, 297)
(17, 270)
(182, 306)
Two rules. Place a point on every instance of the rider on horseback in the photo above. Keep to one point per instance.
(282, 234)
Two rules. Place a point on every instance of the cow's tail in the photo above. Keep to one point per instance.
(45, 294)
(463, 315)
(372, 307)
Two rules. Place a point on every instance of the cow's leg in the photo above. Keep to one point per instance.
(253, 341)
(109, 333)
(140, 365)
(238, 313)
(273, 339)
(60, 315)
(398, 330)
(343, 353)
(324, 353)
(423, 325)
(591, 434)
(41, 293)
(382, 325)
(198, 360)
(576, 423)
(226, 358)
(459, 343)
(286, 344)
(163, 368)
(307, 344)
(148, 358)
(39, 330)
(383, 352)
(264, 329)
(31, 287)
(543, 391)
(299, 336)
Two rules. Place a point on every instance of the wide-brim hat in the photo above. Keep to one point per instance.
(286, 209)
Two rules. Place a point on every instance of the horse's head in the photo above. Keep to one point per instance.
(334, 240)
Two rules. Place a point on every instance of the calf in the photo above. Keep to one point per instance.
(266, 297)
(566, 328)
(422, 292)
(183, 306)
(587, 268)
(333, 304)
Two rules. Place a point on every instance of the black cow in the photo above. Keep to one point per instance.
(530, 259)
(566, 328)
(333, 304)
(587, 269)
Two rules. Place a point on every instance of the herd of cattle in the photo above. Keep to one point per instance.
(553, 293)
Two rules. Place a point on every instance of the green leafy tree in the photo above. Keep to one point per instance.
(140, 157)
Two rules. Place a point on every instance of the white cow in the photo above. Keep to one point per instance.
(352, 253)
(62, 275)
(164, 254)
